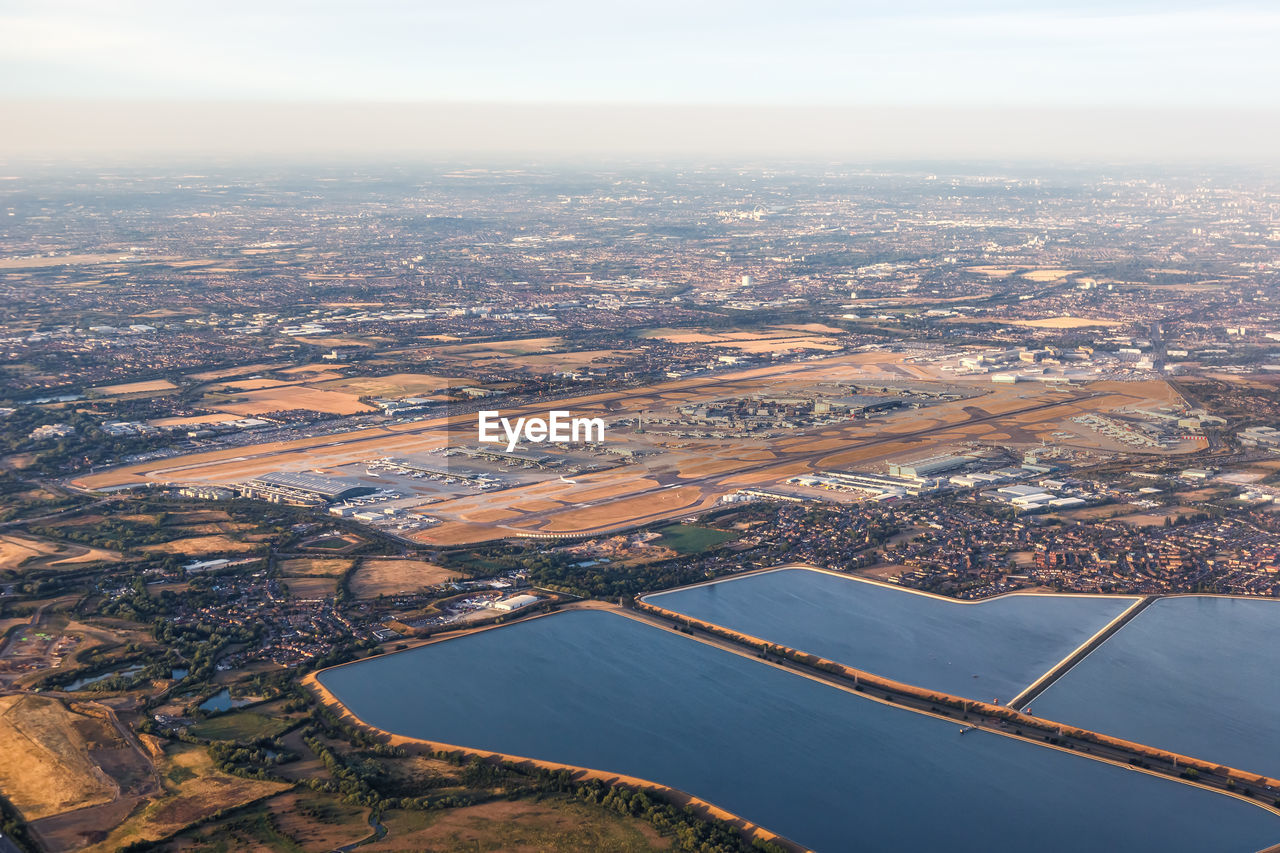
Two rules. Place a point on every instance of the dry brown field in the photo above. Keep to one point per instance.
(210, 375)
(993, 271)
(779, 344)
(134, 387)
(1156, 517)
(342, 341)
(311, 587)
(391, 577)
(248, 385)
(317, 367)
(1094, 513)
(1031, 273)
(213, 528)
(197, 545)
(537, 505)
(543, 361)
(321, 566)
(199, 516)
(819, 328)
(489, 515)
(16, 550)
(461, 533)
(46, 768)
(43, 262)
(1045, 275)
(625, 510)
(291, 813)
(494, 349)
(607, 489)
(679, 336)
(285, 397)
(523, 826)
(395, 385)
(777, 338)
(203, 792)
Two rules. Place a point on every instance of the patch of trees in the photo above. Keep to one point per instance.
(616, 580)
(361, 779)
(690, 831)
(14, 828)
(200, 643)
(250, 762)
(114, 533)
(87, 446)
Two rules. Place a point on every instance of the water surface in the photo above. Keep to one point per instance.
(222, 701)
(81, 683)
(983, 650)
(830, 769)
(1197, 675)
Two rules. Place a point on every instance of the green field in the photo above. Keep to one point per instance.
(692, 538)
(240, 726)
(331, 544)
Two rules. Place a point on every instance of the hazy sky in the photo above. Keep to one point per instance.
(1174, 58)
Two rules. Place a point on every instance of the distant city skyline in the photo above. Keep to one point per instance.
(652, 63)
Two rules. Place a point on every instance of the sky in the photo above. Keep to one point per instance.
(453, 74)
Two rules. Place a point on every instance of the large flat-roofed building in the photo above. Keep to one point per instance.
(927, 467)
(857, 404)
(295, 487)
(1259, 436)
(515, 602)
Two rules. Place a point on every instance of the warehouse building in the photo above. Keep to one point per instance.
(302, 489)
(515, 602)
(927, 467)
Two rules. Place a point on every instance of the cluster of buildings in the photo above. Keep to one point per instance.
(50, 432)
(1260, 436)
(1141, 435)
(924, 476)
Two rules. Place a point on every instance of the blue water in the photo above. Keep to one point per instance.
(827, 768)
(80, 683)
(220, 701)
(1007, 642)
(1196, 675)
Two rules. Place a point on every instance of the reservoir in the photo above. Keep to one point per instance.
(829, 769)
(931, 642)
(222, 701)
(1194, 674)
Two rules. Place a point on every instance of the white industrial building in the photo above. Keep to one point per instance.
(515, 602)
